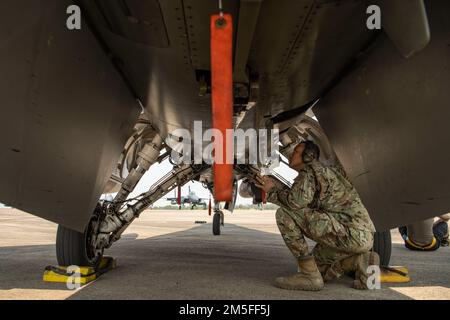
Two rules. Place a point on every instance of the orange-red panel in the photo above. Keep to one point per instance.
(222, 101)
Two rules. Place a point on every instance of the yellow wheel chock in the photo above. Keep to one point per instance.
(78, 275)
(394, 274)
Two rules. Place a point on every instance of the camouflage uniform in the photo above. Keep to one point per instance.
(323, 206)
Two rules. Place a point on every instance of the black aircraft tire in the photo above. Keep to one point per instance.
(71, 248)
(382, 245)
(216, 224)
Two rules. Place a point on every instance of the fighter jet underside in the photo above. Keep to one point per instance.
(86, 112)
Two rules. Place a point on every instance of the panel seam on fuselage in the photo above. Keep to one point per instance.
(188, 40)
(298, 36)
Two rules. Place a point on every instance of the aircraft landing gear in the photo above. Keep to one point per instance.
(76, 248)
(218, 221)
(382, 244)
(219, 217)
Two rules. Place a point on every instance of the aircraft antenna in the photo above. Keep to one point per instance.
(221, 9)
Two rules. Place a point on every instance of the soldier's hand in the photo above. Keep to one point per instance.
(266, 183)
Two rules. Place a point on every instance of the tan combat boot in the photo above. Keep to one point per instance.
(359, 263)
(308, 278)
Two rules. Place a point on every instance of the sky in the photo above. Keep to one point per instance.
(159, 170)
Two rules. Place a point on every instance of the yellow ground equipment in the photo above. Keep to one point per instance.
(78, 275)
(394, 274)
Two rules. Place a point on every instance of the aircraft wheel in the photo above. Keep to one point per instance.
(73, 247)
(382, 245)
(217, 220)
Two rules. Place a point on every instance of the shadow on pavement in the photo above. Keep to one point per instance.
(194, 264)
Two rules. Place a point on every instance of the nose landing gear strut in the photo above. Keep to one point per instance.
(218, 219)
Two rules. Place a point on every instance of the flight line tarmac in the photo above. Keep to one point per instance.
(166, 255)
